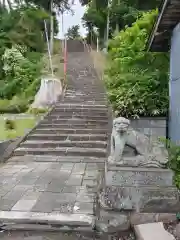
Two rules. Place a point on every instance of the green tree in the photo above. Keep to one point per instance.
(137, 81)
(73, 32)
(122, 13)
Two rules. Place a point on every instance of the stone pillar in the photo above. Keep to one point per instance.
(174, 87)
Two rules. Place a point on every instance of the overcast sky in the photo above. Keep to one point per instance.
(70, 20)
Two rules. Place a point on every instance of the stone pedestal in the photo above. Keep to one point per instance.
(126, 190)
(139, 190)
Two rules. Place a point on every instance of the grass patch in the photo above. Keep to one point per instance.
(21, 127)
(99, 61)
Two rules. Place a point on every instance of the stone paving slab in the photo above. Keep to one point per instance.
(20, 217)
(29, 190)
(152, 231)
(42, 235)
(59, 159)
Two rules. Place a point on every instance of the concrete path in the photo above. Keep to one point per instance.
(52, 176)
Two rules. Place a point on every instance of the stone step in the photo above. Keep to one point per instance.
(77, 116)
(75, 105)
(128, 176)
(81, 110)
(81, 107)
(75, 121)
(85, 97)
(72, 126)
(95, 163)
(53, 130)
(83, 101)
(71, 137)
(56, 144)
(87, 94)
(71, 221)
(75, 113)
(73, 151)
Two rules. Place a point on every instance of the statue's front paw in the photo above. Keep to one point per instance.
(110, 160)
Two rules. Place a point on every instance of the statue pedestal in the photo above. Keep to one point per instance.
(139, 189)
(133, 189)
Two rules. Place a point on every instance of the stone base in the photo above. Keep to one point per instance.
(139, 190)
(112, 222)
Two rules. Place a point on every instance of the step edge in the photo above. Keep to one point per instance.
(48, 218)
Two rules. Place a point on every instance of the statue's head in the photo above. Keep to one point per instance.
(121, 124)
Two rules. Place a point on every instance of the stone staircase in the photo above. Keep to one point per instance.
(52, 175)
(76, 126)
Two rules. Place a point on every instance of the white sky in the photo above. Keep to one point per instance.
(70, 20)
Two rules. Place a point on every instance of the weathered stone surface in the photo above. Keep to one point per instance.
(144, 151)
(177, 230)
(51, 218)
(141, 218)
(152, 231)
(111, 222)
(124, 176)
(140, 199)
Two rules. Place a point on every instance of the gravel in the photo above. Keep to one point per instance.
(174, 229)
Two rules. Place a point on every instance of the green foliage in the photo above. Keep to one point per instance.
(11, 106)
(37, 111)
(58, 4)
(174, 161)
(122, 13)
(73, 32)
(20, 72)
(22, 45)
(137, 81)
(9, 124)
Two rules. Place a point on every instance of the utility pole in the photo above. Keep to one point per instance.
(117, 23)
(107, 27)
(51, 28)
(63, 37)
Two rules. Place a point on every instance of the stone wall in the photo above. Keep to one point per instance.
(150, 126)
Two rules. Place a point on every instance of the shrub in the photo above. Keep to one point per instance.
(9, 124)
(22, 74)
(174, 162)
(37, 111)
(13, 106)
(137, 81)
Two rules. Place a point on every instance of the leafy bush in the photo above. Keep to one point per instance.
(20, 73)
(174, 162)
(37, 111)
(13, 106)
(137, 81)
(9, 124)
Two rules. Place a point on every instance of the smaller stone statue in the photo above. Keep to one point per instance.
(132, 148)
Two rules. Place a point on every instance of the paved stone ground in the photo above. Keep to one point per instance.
(48, 187)
(41, 235)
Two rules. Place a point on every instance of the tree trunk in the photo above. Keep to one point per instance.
(117, 23)
(4, 3)
(9, 5)
(51, 28)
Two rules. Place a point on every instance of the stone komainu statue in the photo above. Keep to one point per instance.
(132, 148)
